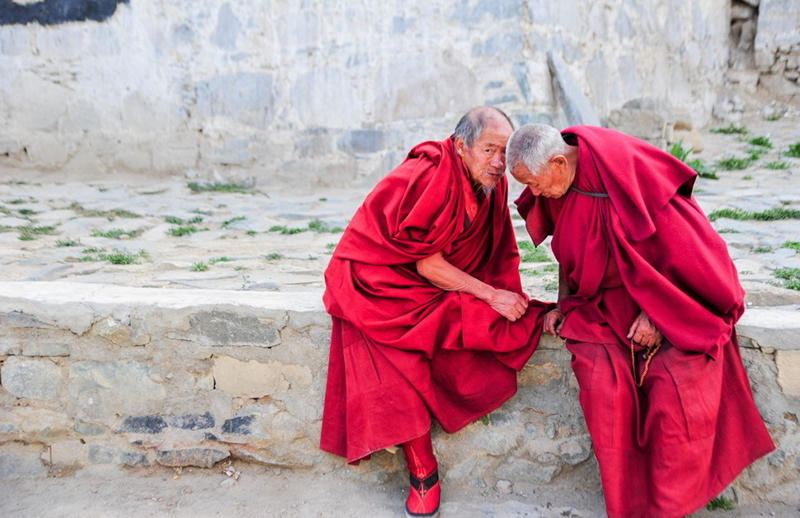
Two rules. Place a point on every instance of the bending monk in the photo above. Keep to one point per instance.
(429, 317)
(648, 299)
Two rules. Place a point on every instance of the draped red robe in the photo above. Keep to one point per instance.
(401, 348)
(667, 448)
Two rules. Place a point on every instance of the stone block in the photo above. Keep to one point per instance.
(253, 379)
(45, 150)
(21, 461)
(573, 101)
(772, 328)
(89, 429)
(65, 453)
(788, 363)
(113, 330)
(575, 450)
(361, 141)
(228, 28)
(200, 457)
(245, 97)
(150, 424)
(31, 378)
(224, 328)
(337, 105)
(193, 421)
(102, 389)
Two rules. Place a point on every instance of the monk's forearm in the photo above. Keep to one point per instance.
(445, 276)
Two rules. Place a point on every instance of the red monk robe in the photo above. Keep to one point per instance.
(669, 447)
(402, 349)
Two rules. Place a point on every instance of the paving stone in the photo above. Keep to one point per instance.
(20, 461)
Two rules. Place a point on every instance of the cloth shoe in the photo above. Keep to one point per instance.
(423, 496)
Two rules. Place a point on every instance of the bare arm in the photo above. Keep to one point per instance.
(445, 276)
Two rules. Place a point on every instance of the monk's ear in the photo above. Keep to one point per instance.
(460, 145)
(559, 161)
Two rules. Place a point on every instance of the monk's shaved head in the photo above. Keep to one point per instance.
(471, 125)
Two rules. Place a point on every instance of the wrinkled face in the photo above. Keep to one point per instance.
(486, 158)
(553, 180)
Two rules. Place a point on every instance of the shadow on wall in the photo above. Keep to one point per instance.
(54, 12)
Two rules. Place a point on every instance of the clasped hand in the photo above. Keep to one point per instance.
(643, 332)
(509, 304)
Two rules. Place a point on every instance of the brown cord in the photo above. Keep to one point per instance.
(650, 353)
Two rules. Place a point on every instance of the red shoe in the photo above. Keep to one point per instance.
(423, 497)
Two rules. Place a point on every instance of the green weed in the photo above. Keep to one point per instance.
(221, 259)
(777, 164)
(30, 233)
(199, 267)
(185, 230)
(762, 249)
(539, 255)
(720, 503)
(286, 230)
(178, 221)
(734, 163)
(702, 170)
(19, 201)
(27, 212)
(773, 117)
(747, 177)
(761, 141)
(728, 231)
(274, 256)
(218, 187)
(233, 220)
(791, 276)
(110, 215)
(251, 233)
(150, 193)
(794, 150)
(730, 129)
(4, 210)
(67, 242)
(93, 250)
(794, 245)
(320, 226)
(767, 215)
(323, 199)
(203, 212)
(679, 151)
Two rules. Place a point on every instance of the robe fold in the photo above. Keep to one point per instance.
(669, 447)
(403, 350)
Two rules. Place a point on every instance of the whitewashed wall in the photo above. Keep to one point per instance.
(328, 92)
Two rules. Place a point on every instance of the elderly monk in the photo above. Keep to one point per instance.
(648, 299)
(429, 317)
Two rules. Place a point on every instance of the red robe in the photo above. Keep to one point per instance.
(667, 448)
(402, 349)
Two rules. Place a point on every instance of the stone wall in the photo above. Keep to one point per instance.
(777, 47)
(321, 93)
(99, 374)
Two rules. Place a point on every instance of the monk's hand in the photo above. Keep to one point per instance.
(509, 304)
(553, 321)
(643, 332)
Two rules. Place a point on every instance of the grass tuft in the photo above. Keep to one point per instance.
(760, 141)
(30, 233)
(734, 163)
(777, 164)
(218, 187)
(794, 150)
(794, 245)
(117, 233)
(730, 129)
(221, 259)
(762, 249)
(67, 242)
(320, 226)
(286, 230)
(199, 267)
(767, 215)
(184, 230)
(274, 256)
(233, 220)
(720, 503)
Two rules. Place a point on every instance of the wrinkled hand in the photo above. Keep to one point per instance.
(643, 332)
(509, 304)
(553, 321)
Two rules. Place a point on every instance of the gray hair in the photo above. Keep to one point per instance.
(533, 145)
(471, 125)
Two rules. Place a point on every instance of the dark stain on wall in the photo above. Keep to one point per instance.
(54, 12)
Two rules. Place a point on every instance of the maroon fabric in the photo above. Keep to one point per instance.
(649, 246)
(402, 349)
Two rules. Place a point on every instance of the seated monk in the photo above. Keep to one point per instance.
(648, 299)
(429, 317)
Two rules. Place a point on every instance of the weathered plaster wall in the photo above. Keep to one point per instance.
(328, 92)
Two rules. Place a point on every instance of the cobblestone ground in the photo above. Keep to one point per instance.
(161, 233)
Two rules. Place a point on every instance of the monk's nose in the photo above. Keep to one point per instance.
(498, 162)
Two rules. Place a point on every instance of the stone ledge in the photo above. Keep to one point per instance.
(771, 328)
